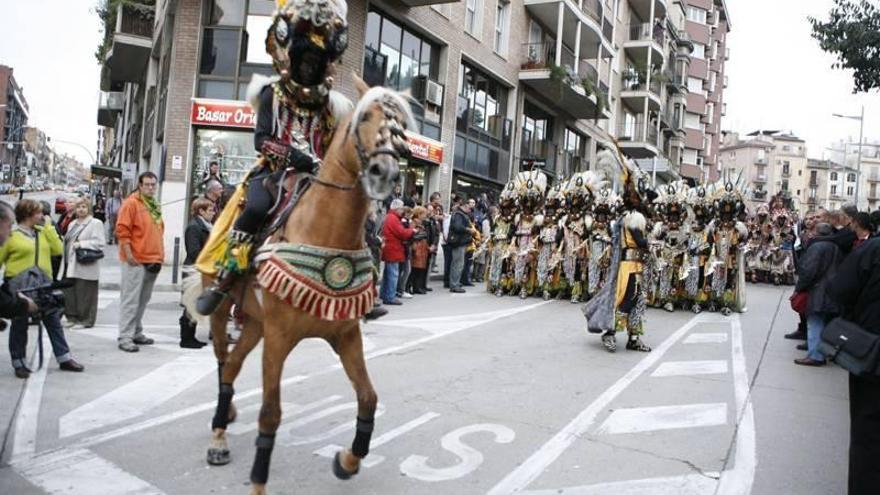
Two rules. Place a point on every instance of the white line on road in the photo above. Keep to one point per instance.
(138, 396)
(706, 338)
(240, 427)
(641, 419)
(476, 320)
(690, 368)
(673, 485)
(25, 440)
(81, 472)
(529, 470)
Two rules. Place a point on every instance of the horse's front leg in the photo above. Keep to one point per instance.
(350, 349)
(225, 413)
(277, 346)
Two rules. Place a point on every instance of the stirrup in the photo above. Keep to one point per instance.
(636, 344)
(609, 341)
(210, 299)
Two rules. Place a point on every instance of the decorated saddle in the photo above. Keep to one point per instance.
(329, 284)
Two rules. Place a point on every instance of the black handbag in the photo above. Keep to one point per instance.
(851, 346)
(86, 256)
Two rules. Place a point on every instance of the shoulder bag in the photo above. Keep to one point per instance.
(851, 346)
(33, 277)
(87, 256)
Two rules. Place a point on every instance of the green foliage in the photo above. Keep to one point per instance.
(852, 35)
(106, 11)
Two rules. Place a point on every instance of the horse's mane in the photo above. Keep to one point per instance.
(376, 95)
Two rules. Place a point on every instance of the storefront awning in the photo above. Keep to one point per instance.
(112, 172)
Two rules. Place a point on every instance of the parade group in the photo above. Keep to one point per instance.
(673, 246)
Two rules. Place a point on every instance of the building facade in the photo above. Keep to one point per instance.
(503, 86)
(14, 114)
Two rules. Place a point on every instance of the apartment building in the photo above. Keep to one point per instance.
(845, 153)
(14, 115)
(771, 162)
(503, 86)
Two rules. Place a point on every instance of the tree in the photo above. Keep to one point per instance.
(852, 34)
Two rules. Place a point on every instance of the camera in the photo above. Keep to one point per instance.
(48, 298)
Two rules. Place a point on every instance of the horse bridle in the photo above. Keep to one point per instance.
(390, 129)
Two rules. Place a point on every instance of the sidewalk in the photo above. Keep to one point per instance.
(111, 272)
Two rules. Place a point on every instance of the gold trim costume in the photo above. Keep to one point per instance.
(576, 224)
(500, 276)
(550, 246)
(530, 188)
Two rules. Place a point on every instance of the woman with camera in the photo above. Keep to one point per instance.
(83, 245)
(27, 258)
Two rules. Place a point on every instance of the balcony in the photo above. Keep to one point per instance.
(760, 179)
(660, 166)
(786, 173)
(561, 83)
(635, 90)
(812, 200)
(109, 106)
(760, 161)
(643, 8)
(643, 39)
(759, 195)
(638, 140)
(424, 3)
(561, 17)
(874, 176)
(814, 183)
(132, 41)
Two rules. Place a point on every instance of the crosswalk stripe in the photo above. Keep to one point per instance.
(81, 472)
(672, 485)
(688, 368)
(138, 396)
(643, 419)
(706, 338)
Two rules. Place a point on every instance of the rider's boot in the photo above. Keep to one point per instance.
(237, 256)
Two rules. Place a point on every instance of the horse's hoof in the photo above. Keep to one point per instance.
(669, 307)
(340, 471)
(725, 311)
(218, 457)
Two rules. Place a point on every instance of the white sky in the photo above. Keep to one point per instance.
(779, 78)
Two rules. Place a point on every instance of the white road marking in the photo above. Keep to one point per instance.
(529, 470)
(25, 439)
(641, 419)
(329, 451)
(81, 472)
(105, 299)
(444, 325)
(706, 338)
(163, 342)
(138, 396)
(689, 368)
(673, 485)
(738, 481)
(177, 415)
(288, 438)
(416, 466)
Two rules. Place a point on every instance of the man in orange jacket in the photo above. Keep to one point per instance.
(140, 231)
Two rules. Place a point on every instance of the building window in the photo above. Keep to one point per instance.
(786, 167)
(699, 51)
(850, 177)
(813, 176)
(692, 121)
(472, 14)
(850, 191)
(695, 85)
(394, 56)
(834, 176)
(834, 189)
(696, 14)
(502, 20)
(482, 143)
(233, 47)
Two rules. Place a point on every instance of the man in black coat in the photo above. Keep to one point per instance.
(857, 288)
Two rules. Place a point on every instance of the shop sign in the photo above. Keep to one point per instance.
(425, 148)
(223, 113)
(532, 163)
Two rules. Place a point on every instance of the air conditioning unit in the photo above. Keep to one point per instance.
(434, 93)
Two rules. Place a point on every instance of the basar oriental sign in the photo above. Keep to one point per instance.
(239, 114)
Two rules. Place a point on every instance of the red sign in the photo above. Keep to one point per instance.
(425, 148)
(223, 113)
(231, 113)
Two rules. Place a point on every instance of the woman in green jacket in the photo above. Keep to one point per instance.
(18, 255)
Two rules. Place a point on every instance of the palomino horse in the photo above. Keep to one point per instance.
(324, 230)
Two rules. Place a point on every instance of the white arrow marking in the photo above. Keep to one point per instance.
(138, 396)
(640, 419)
(689, 368)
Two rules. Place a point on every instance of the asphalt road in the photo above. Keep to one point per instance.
(477, 395)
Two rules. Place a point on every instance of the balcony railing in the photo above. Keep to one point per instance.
(539, 56)
(647, 31)
(637, 132)
(760, 179)
(593, 9)
(786, 173)
(136, 19)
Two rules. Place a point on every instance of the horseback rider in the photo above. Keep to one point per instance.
(297, 113)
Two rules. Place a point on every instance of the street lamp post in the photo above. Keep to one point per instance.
(861, 119)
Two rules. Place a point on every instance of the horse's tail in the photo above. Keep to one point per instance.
(192, 288)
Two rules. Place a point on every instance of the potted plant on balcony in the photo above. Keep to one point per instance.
(561, 76)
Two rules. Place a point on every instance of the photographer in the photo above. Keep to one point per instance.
(29, 249)
(11, 305)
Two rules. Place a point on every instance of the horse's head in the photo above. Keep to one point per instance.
(377, 126)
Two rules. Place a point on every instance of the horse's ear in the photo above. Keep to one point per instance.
(360, 85)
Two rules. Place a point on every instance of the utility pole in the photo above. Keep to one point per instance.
(859, 162)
